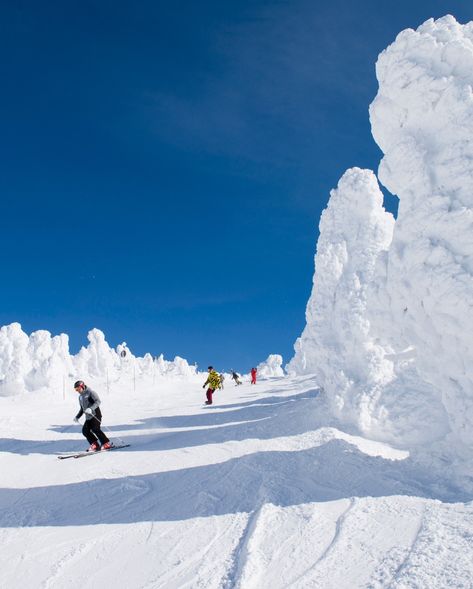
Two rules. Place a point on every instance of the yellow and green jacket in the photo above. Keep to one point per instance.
(213, 380)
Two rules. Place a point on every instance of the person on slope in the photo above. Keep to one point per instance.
(213, 380)
(253, 375)
(89, 406)
(236, 378)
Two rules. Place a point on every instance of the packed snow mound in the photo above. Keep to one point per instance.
(271, 367)
(29, 363)
(395, 356)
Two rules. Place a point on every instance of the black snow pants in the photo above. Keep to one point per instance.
(91, 429)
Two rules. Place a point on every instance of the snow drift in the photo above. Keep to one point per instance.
(396, 357)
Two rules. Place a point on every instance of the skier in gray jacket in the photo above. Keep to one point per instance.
(89, 406)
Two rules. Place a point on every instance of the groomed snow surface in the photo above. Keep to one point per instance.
(260, 490)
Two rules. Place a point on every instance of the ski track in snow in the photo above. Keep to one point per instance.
(441, 555)
(405, 561)
(75, 554)
(338, 527)
(240, 556)
(257, 493)
(330, 546)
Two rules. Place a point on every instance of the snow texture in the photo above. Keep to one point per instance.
(336, 343)
(271, 367)
(422, 118)
(261, 491)
(29, 363)
(389, 320)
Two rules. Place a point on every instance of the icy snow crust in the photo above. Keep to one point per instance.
(389, 330)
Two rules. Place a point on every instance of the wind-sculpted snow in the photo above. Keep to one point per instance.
(422, 118)
(15, 362)
(271, 367)
(396, 357)
(29, 363)
(336, 343)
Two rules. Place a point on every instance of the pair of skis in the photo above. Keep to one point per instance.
(84, 454)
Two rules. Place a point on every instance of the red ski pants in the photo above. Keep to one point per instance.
(209, 394)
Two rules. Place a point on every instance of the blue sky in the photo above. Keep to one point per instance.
(164, 165)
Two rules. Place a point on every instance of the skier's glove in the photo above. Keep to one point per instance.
(76, 420)
(88, 411)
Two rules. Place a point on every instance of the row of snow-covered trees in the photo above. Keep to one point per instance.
(39, 360)
(28, 363)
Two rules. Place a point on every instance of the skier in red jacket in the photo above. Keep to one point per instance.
(253, 376)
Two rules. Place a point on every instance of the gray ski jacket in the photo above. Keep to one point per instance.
(88, 399)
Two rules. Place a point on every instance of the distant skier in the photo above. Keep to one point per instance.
(236, 378)
(222, 379)
(213, 380)
(253, 375)
(89, 406)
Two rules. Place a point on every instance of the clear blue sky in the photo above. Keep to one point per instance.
(164, 164)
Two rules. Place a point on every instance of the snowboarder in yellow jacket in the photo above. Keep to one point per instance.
(213, 380)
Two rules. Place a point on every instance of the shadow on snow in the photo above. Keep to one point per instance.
(260, 419)
(332, 471)
(336, 470)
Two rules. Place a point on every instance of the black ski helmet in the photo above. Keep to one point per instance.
(79, 383)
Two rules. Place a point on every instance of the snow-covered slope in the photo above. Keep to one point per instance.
(258, 491)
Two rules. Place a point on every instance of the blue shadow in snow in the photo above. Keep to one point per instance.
(262, 419)
(335, 470)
